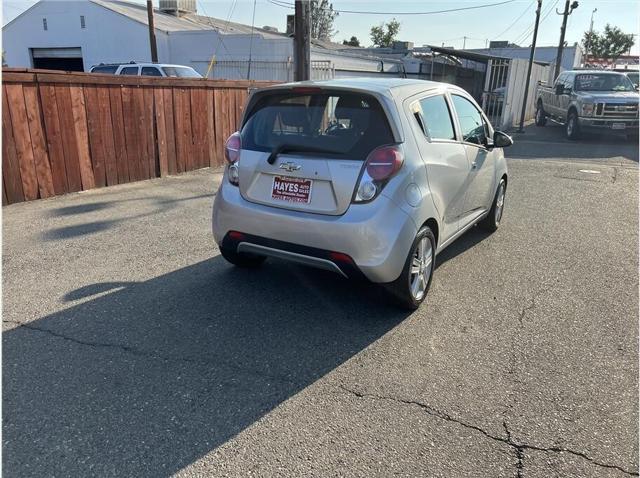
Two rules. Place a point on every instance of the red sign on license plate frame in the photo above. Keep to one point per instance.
(286, 188)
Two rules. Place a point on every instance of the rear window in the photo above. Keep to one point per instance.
(180, 72)
(111, 69)
(342, 125)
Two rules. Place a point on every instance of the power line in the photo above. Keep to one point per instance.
(515, 21)
(220, 40)
(253, 21)
(527, 33)
(282, 3)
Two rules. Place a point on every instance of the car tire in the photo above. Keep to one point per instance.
(541, 116)
(242, 259)
(410, 288)
(572, 126)
(492, 220)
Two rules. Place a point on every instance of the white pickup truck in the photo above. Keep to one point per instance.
(588, 100)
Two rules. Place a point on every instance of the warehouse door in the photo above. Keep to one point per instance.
(66, 59)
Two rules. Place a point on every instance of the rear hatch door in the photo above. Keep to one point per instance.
(305, 151)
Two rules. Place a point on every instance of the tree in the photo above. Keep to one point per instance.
(384, 34)
(353, 41)
(322, 18)
(609, 45)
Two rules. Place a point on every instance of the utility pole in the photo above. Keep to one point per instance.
(568, 9)
(301, 41)
(152, 32)
(589, 45)
(531, 56)
(464, 43)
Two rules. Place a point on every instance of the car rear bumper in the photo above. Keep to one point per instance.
(375, 237)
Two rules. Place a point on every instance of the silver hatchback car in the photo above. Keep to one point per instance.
(365, 177)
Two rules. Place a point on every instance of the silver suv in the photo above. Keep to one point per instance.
(365, 177)
(146, 69)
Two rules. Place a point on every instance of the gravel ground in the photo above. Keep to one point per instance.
(131, 348)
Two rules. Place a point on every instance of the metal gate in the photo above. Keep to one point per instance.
(495, 89)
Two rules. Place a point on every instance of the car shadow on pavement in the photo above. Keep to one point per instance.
(145, 378)
(156, 205)
(468, 240)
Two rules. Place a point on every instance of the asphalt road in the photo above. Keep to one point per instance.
(130, 348)
(550, 143)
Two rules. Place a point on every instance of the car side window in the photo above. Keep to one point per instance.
(472, 126)
(436, 118)
(104, 69)
(129, 70)
(560, 79)
(150, 71)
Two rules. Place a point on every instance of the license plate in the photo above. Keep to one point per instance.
(618, 126)
(292, 189)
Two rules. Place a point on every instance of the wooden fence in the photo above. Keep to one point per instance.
(67, 132)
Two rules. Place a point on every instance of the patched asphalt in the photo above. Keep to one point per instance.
(131, 348)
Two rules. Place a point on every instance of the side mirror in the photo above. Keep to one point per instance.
(501, 140)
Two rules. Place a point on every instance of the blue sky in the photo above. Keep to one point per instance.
(477, 25)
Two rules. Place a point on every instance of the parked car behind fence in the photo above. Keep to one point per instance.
(146, 69)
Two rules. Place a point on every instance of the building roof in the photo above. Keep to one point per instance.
(186, 22)
(193, 22)
(466, 54)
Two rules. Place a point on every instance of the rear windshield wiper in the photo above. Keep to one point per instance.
(294, 148)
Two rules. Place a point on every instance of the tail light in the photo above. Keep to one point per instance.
(380, 166)
(232, 149)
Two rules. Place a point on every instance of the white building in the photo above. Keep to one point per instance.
(77, 34)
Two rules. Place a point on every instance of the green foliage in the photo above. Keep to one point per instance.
(384, 34)
(322, 18)
(609, 45)
(353, 41)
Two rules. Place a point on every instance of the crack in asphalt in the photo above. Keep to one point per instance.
(152, 355)
(519, 451)
(532, 300)
(519, 447)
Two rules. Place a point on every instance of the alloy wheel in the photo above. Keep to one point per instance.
(499, 204)
(420, 271)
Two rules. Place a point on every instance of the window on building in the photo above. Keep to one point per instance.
(44, 24)
(437, 118)
(150, 71)
(82, 24)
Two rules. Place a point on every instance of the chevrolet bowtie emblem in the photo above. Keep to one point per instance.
(289, 166)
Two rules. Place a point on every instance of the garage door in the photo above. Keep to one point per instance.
(67, 59)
